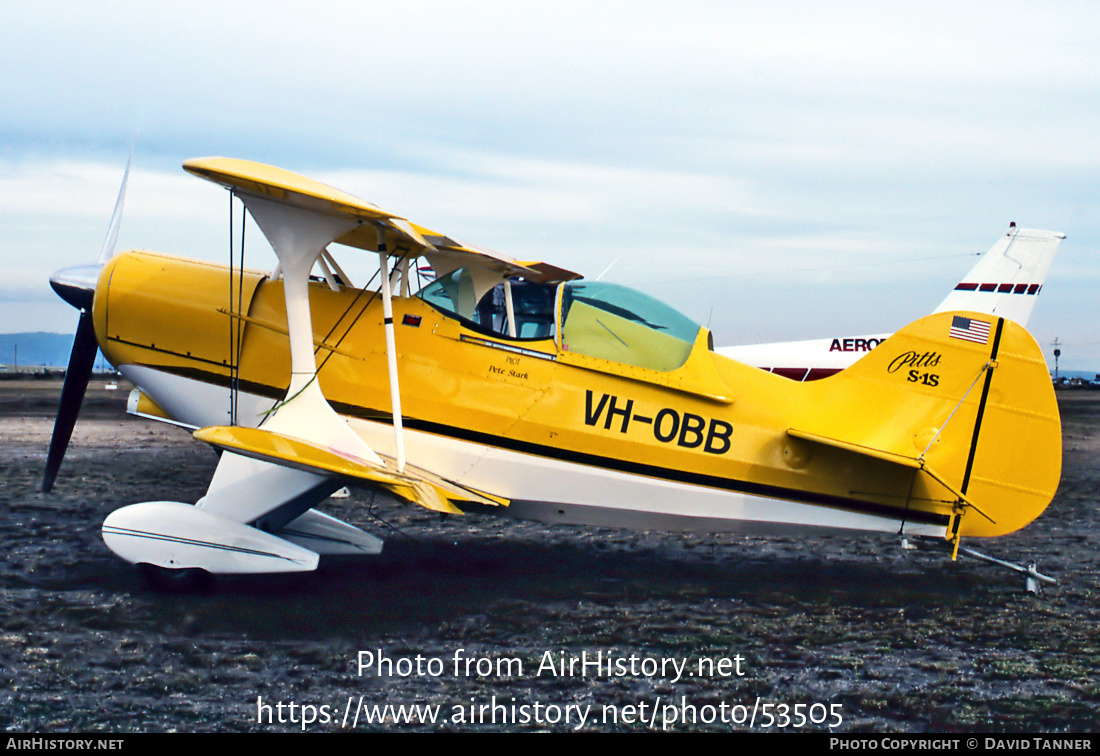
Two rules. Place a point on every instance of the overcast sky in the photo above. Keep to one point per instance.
(780, 170)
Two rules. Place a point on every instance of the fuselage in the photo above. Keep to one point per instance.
(565, 435)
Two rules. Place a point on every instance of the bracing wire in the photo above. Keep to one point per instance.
(366, 306)
(339, 320)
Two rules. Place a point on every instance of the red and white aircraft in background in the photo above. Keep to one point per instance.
(1006, 282)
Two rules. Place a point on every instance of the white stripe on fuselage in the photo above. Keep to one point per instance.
(193, 402)
(549, 490)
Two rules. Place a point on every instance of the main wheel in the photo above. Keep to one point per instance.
(189, 580)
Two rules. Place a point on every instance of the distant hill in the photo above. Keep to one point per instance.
(37, 349)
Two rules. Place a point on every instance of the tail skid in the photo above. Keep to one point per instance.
(1033, 579)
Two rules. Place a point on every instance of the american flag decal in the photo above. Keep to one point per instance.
(969, 329)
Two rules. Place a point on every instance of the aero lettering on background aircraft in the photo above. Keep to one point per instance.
(854, 345)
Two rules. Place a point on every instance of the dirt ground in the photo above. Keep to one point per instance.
(853, 633)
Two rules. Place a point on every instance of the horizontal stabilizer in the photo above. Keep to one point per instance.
(900, 459)
(913, 462)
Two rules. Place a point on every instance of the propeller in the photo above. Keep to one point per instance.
(77, 287)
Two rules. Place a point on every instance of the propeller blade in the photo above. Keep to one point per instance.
(116, 217)
(77, 287)
(81, 362)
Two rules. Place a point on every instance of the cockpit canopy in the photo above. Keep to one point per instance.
(532, 307)
(602, 320)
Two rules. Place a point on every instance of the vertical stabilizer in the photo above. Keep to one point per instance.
(1007, 280)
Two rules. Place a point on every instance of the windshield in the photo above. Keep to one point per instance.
(616, 323)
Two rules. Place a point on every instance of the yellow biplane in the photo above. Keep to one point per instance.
(520, 388)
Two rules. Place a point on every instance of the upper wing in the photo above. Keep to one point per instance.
(403, 238)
